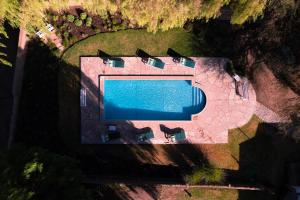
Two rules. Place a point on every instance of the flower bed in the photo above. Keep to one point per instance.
(76, 24)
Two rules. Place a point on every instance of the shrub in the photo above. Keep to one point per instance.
(89, 21)
(64, 18)
(66, 35)
(66, 42)
(78, 22)
(70, 18)
(114, 22)
(206, 175)
(55, 18)
(103, 14)
(83, 16)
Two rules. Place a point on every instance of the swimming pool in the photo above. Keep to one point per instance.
(151, 100)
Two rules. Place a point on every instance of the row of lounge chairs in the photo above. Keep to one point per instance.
(151, 61)
(143, 135)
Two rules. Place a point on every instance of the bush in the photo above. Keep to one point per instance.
(208, 175)
(66, 42)
(83, 16)
(78, 22)
(89, 21)
(66, 35)
(70, 18)
(114, 22)
(55, 18)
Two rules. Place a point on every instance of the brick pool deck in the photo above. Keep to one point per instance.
(224, 109)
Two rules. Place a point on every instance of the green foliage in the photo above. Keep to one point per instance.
(206, 174)
(246, 9)
(66, 34)
(55, 18)
(83, 16)
(114, 22)
(38, 174)
(89, 21)
(3, 56)
(78, 22)
(70, 18)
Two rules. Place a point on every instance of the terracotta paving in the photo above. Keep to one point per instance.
(224, 109)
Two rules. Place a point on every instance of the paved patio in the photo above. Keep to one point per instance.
(224, 109)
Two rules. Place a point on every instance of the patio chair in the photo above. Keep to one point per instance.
(187, 62)
(111, 127)
(177, 137)
(155, 63)
(83, 97)
(104, 138)
(145, 136)
(113, 132)
(119, 63)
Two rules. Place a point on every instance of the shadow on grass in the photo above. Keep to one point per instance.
(6, 82)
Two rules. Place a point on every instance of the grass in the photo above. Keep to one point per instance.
(208, 194)
(126, 43)
(208, 174)
(228, 155)
(222, 194)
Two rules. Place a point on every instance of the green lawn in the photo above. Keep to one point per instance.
(125, 43)
(222, 194)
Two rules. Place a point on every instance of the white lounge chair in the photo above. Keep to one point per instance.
(40, 34)
(49, 27)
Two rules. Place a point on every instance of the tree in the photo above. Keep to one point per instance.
(8, 12)
(246, 9)
(35, 173)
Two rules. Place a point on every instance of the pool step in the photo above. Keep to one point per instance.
(196, 96)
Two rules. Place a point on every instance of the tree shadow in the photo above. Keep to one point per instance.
(6, 82)
(263, 160)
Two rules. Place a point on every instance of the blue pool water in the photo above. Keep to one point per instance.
(151, 100)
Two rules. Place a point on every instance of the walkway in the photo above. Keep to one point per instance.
(224, 109)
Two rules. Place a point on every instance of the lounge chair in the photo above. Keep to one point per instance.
(112, 127)
(49, 27)
(177, 137)
(83, 97)
(145, 136)
(40, 34)
(155, 63)
(113, 132)
(115, 63)
(187, 62)
(104, 138)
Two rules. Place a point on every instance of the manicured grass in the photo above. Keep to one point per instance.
(208, 194)
(222, 194)
(228, 155)
(125, 43)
